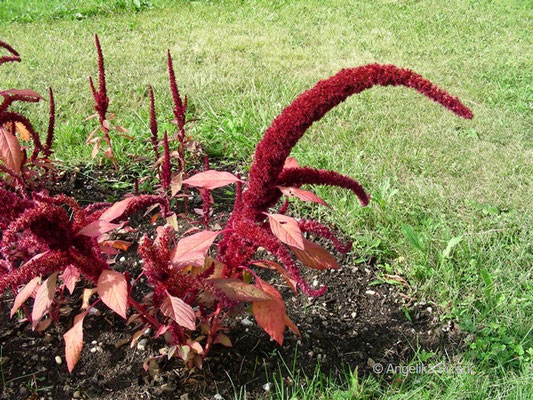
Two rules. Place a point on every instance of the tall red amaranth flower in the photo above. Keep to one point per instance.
(246, 231)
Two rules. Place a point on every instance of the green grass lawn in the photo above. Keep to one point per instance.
(451, 207)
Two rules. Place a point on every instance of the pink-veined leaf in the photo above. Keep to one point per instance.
(116, 210)
(74, 341)
(290, 162)
(97, 228)
(71, 275)
(286, 229)
(21, 92)
(304, 195)
(43, 299)
(24, 295)
(192, 249)
(176, 309)
(236, 289)
(10, 150)
(113, 290)
(211, 179)
(315, 256)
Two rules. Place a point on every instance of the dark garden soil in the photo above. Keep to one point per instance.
(355, 324)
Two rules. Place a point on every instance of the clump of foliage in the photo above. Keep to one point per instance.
(197, 284)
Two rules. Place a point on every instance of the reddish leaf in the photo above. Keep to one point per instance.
(23, 132)
(86, 297)
(315, 256)
(43, 325)
(292, 326)
(24, 295)
(117, 244)
(179, 311)
(304, 195)
(175, 184)
(43, 299)
(291, 162)
(116, 210)
(192, 249)
(113, 290)
(274, 265)
(211, 179)
(286, 229)
(21, 92)
(97, 228)
(136, 336)
(74, 341)
(119, 128)
(236, 289)
(270, 316)
(96, 147)
(10, 150)
(71, 275)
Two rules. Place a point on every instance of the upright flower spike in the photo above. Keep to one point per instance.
(166, 168)
(153, 124)
(103, 100)
(179, 105)
(51, 125)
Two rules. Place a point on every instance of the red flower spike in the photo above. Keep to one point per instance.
(51, 125)
(153, 124)
(166, 168)
(15, 57)
(312, 105)
(302, 176)
(179, 108)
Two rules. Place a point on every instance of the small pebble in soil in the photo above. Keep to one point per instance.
(185, 396)
(58, 360)
(93, 350)
(267, 387)
(246, 322)
(370, 292)
(76, 394)
(315, 283)
(218, 397)
(122, 259)
(94, 342)
(142, 344)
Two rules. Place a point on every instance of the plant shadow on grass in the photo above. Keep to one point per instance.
(356, 324)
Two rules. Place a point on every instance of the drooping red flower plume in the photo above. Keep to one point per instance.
(15, 57)
(246, 230)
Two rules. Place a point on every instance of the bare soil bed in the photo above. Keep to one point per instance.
(355, 324)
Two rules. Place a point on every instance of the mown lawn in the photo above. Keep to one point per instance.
(451, 209)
